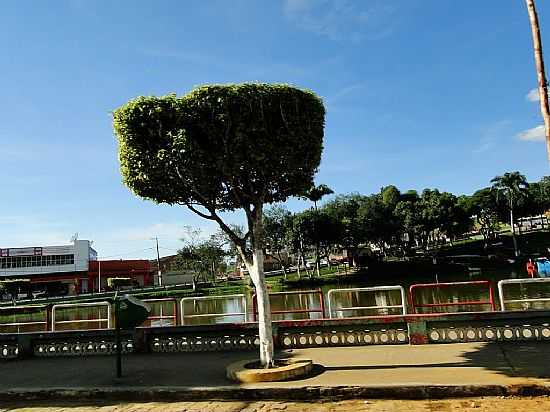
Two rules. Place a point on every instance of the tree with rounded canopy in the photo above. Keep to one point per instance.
(225, 148)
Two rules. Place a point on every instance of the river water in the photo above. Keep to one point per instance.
(351, 303)
(331, 300)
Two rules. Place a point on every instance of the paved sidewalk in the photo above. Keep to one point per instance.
(396, 368)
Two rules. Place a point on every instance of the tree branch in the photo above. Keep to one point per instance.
(198, 212)
(239, 242)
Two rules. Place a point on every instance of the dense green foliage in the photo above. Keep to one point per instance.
(399, 224)
(204, 258)
(276, 222)
(221, 145)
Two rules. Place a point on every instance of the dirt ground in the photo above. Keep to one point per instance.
(469, 404)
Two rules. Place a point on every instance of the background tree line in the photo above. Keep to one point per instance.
(387, 223)
(397, 223)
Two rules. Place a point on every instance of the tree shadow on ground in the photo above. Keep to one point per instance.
(515, 359)
(512, 359)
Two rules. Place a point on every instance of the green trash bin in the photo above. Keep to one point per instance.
(131, 312)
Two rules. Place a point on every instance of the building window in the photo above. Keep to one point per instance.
(11, 262)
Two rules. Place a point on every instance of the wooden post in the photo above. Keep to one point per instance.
(541, 75)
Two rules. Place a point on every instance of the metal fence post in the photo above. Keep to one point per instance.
(117, 339)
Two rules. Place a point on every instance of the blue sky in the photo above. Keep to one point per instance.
(419, 93)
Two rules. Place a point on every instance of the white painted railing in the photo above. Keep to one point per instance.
(239, 297)
(332, 310)
(20, 310)
(504, 301)
(165, 316)
(77, 306)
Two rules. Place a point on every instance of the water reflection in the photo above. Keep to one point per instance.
(346, 304)
(356, 303)
(28, 320)
(200, 311)
(451, 299)
(293, 306)
(163, 313)
(82, 318)
(527, 291)
(297, 305)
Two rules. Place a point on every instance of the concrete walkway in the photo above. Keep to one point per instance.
(385, 370)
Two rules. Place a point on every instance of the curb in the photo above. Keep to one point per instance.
(304, 393)
(293, 369)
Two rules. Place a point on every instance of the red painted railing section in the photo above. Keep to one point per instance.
(164, 312)
(317, 293)
(484, 284)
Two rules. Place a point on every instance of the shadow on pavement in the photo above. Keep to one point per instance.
(515, 359)
(333, 366)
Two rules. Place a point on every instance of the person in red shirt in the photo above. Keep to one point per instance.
(531, 270)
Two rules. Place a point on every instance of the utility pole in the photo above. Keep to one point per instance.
(159, 272)
(98, 275)
(541, 75)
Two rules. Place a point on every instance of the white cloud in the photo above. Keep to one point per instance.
(294, 6)
(533, 95)
(138, 242)
(536, 134)
(27, 230)
(345, 91)
(167, 230)
(343, 19)
(490, 135)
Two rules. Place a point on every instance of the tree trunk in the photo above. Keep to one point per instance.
(485, 240)
(303, 260)
(317, 261)
(516, 252)
(256, 270)
(264, 309)
(280, 260)
(541, 75)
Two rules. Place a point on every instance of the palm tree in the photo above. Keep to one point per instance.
(513, 186)
(315, 194)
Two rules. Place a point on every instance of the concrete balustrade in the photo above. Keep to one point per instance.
(381, 330)
(414, 329)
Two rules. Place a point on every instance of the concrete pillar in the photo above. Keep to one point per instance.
(418, 332)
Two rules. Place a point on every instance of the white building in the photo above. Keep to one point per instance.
(41, 260)
(62, 269)
(526, 224)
